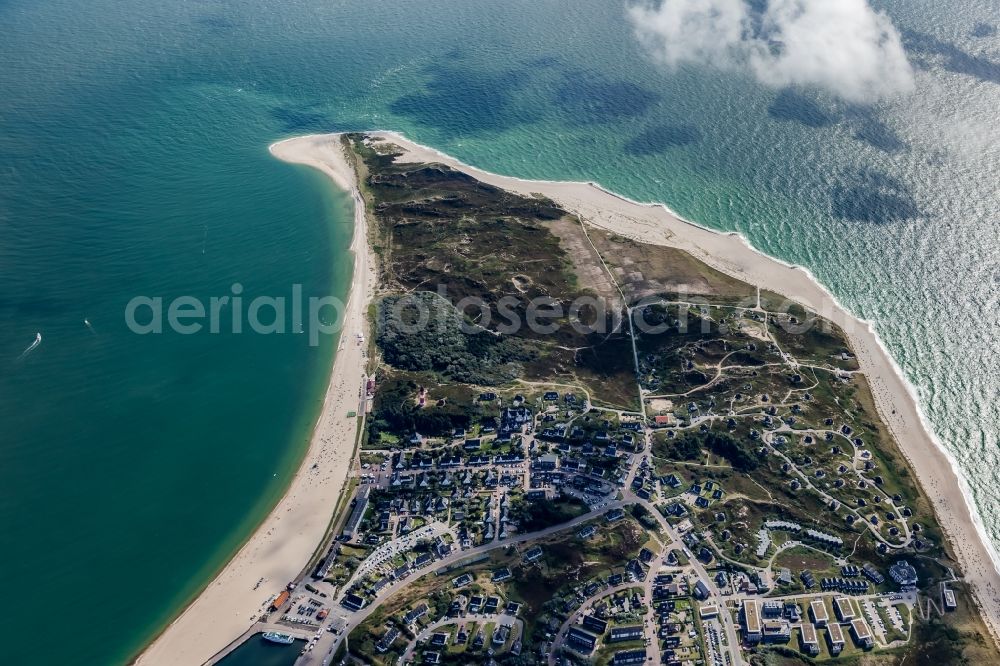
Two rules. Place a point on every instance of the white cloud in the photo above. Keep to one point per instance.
(842, 46)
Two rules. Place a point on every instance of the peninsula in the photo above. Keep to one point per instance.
(583, 428)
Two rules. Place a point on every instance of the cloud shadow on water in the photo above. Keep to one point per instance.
(954, 59)
(869, 129)
(592, 100)
(873, 197)
(542, 62)
(983, 30)
(459, 100)
(661, 138)
(217, 23)
(792, 106)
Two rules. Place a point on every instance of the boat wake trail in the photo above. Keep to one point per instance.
(38, 341)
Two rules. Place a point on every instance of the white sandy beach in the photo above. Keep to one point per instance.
(284, 543)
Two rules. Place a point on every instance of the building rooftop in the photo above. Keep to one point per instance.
(861, 629)
(622, 632)
(751, 615)
(358, 512)
(844, 608)
(819, 612)
(903, 573)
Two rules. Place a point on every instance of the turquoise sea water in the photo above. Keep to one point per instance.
(133, 153)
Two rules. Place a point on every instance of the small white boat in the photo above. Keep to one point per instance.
(278, 637)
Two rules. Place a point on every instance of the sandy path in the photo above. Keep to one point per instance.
(283, 544)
